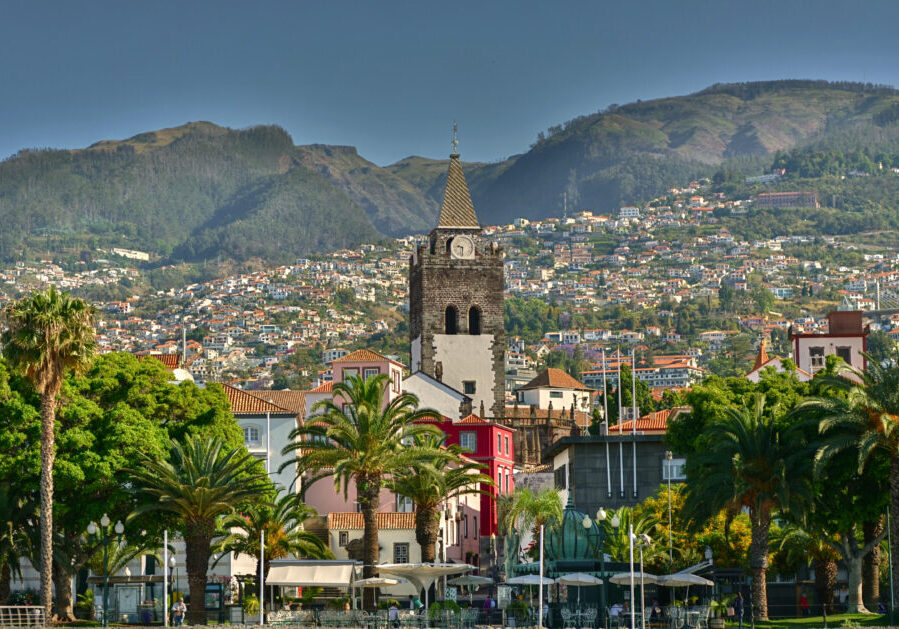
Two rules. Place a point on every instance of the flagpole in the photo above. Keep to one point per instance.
(620, 444)
(630, 537)
(262, 577)
(540, 586)
(634, 414)
(165, 578)
(605, 410)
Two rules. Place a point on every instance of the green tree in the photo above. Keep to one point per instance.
(752, 460)
(525, 510)
(358, 438)
(281, 520)
(48, 333)
(200, 482)
(431, 483)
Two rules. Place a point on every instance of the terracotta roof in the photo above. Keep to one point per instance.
(293, 401)
(556, 379)
(324, 387)
(361, 355)
(472, 419)
(762, 357)
(243, 403)
(655, 422)
(457, 209)
(384, 520)
(171, 361)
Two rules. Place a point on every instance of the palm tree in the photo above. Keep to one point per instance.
(48, 333)
(751, 462)
(17, 517)
(616, 543)
(359, 439)
(282, 522)
(449, 475)
(794, 547)
(199, 483)
(524, 510)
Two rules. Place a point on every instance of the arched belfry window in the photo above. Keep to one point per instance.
(474, 320)
(449, 245)
(450, 320)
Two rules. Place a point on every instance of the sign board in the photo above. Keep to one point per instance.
(503, 596)
(450, 594)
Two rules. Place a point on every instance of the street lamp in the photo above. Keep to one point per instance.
(669, 456)
(493, 549)
(601, 515)
(172, 571)
(103, 536)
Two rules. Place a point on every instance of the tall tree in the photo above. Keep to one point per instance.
(357, 438)
(48, 333)
(754, 461)
(448, 475)
(281, 520)
(860, 414)
(525, 510)
(200, 482)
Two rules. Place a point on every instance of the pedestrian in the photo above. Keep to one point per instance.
(178, 610)
(393, 615)
(738, 608)
(803, 605)
(617, 610)
(488, 603)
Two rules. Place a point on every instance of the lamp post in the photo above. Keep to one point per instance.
(669, 456)
(495, 575)
(601, 516)
(103, 536)
(173, 573)
(643, 540)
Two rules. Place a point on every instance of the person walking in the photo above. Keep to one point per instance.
(738, 608)
(178, 611)
(393, 615)
(803, 605)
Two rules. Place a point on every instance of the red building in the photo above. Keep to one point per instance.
(491, 445)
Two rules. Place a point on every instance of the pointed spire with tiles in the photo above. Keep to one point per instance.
(457, 209)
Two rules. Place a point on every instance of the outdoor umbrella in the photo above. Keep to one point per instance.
(683, 579)
(423, 575)
(530, 579)
(579, 579)
(470, 580)
(624, 578)
(372, 582)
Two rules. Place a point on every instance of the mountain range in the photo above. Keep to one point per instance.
(200, 191)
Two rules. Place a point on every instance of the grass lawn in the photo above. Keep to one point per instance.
(836, 620)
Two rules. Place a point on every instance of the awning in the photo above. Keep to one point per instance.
(323, 573)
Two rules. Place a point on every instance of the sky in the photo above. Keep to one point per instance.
(391, 77)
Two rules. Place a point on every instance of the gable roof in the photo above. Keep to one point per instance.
(457, 209)
(362, 356)
(350, 520)
(243, 403)
(324, 387)
(553, 378)
(293, 401)
(171, 361)
(654, 422)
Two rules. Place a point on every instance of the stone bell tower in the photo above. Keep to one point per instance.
(456, 301)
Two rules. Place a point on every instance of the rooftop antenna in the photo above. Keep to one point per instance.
(455, 141)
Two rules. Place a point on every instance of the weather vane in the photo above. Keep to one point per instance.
(455, 140)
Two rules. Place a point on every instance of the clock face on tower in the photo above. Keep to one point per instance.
(462, 247)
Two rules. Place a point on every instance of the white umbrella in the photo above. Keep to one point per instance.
(683, 579)
(530, 579)
(423, 574)
(624, 578)
(373, 582)
(578, 579)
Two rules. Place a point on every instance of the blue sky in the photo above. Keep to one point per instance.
(390, 77)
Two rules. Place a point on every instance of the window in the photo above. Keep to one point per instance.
(251, 436)
(465, 525)
(674, 469)
(846, 354)
(350, 372)
(149, 565)
(369, 372)
(507, 481)
(469, 387)
(816, 354)
(450, 323)
(468, 441)
(560, 477)
(401, 553)
(555, 395)
(475, 527)
(499, 444)
(474, 320)
(343, 538)
(508, 451)
(396, 381)
(404, 504)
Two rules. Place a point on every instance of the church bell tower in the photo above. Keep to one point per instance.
(456, 302)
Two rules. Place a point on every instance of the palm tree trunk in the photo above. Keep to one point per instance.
(5, 581)
(427, 531)
(48, 454)
(62, 581)
(894, 520)
(198, 542)
(826, 581)
(853, 560)
(871, 567)
(368, 489)
(758, 562)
